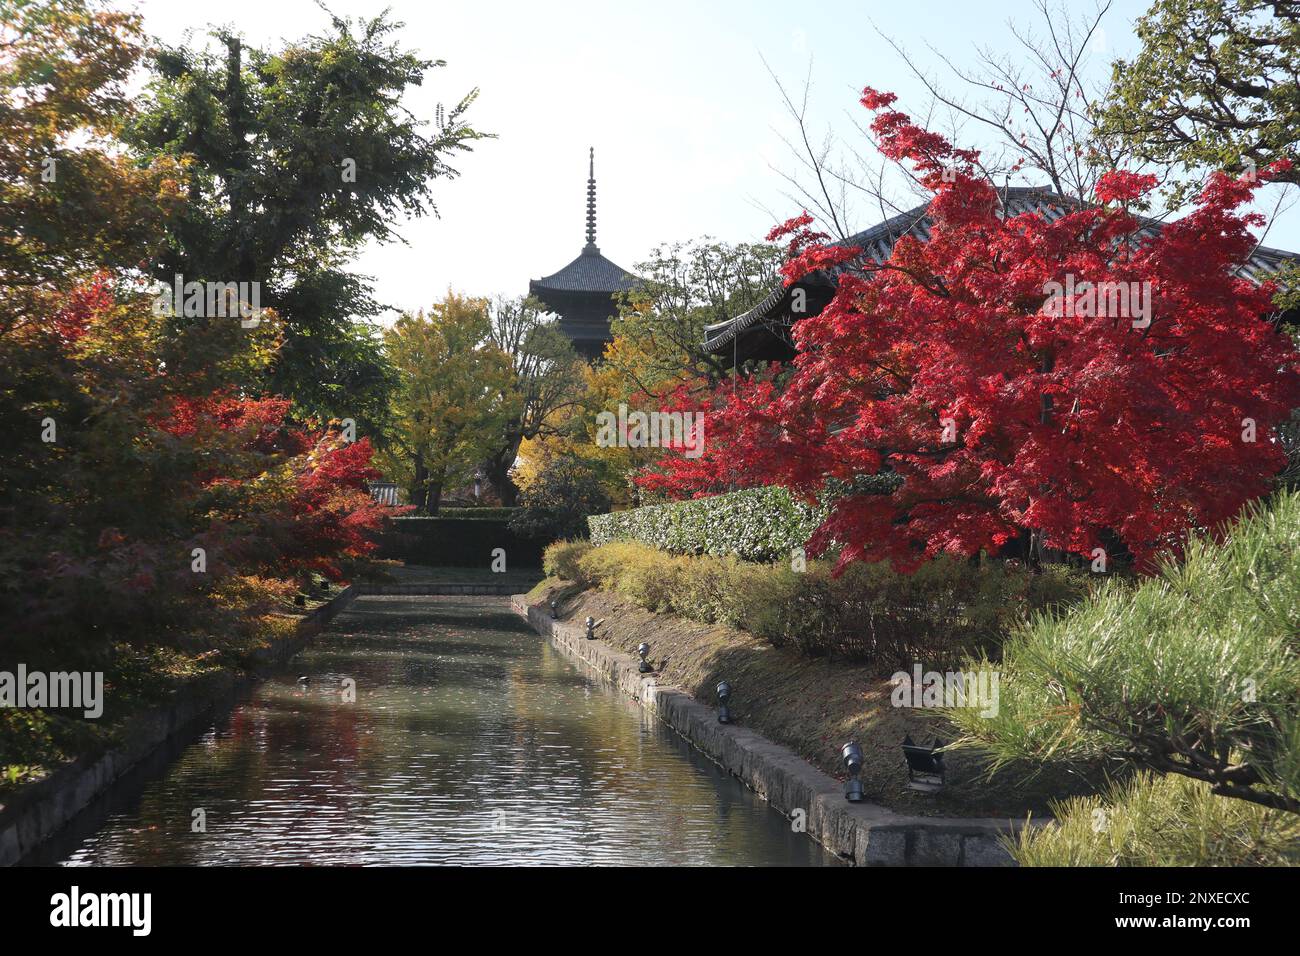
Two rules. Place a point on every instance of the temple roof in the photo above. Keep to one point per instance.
(877, 243)
(590, 272)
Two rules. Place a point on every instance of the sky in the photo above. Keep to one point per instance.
(675, 96)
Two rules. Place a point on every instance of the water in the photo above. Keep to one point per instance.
(471, 741)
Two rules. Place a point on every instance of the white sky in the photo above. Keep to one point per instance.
(673, 95)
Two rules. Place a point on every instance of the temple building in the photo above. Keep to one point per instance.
(763, 332)
(582, 293)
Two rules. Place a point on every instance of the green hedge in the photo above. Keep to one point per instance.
(479, 514)
(457, 542)
(757, 524)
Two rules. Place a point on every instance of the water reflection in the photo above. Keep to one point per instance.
(471, 741)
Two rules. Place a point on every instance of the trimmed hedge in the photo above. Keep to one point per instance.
(458, 543)
(757, 524)
(478, 514)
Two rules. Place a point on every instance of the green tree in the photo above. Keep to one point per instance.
(296, 158)
(1214, 87)
(659, 331)
(453, 398)
(559, 500)
(71, 200)
(1160, 821)
(547, 382)
(1195, 672)
(658, 347)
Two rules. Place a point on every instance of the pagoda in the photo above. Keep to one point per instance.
(583, 293)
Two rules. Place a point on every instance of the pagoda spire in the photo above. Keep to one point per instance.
(591, 204)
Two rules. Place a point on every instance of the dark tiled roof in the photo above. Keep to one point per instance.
(590, 272)
(878, 242)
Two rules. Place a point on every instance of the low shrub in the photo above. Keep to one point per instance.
(560, 559)
(945, 610)
(1161, 821)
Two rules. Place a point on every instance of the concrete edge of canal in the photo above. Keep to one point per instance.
(38, 810)
(866, 834)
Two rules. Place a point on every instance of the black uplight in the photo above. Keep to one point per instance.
(724, 696)
(852, 754)
(924, 766)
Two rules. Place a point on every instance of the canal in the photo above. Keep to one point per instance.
(428, 730)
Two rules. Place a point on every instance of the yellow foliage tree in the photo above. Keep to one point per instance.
(453, 398)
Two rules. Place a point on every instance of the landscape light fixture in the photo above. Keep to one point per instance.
(643, 651)
(554, 610)
(324, 587)
(924, 766)
(852, 754)
(724, 695)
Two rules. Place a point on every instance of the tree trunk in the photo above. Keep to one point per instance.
(497, 468)
(498, 472)
(1039, 552)
(420, 488)
(237, 121)
(434, 498)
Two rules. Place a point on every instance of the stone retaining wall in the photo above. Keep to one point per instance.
(36, 811)
(863, 833)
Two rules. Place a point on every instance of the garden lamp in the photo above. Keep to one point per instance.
(852, 754)
(724, 695)
(924, 766)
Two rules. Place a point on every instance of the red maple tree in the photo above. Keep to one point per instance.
(989, 369)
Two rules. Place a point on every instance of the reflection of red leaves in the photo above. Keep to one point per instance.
(1143, 438)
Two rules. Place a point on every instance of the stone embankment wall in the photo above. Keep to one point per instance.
(866, 834)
